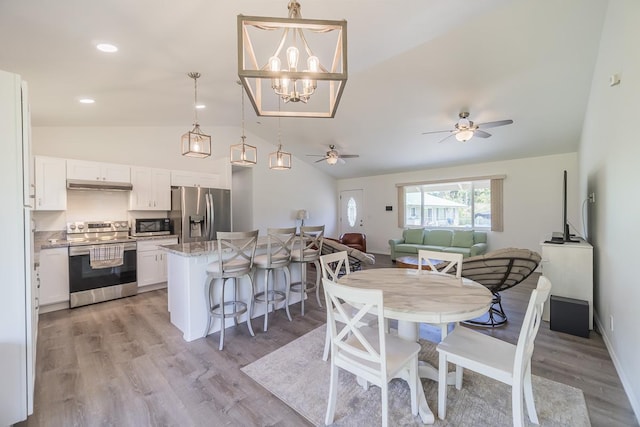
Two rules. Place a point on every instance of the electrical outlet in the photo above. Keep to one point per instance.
(611, 322)
(592, 197)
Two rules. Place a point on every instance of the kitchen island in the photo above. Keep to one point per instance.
(186, 269)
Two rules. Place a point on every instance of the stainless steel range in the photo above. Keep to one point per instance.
(102, 262)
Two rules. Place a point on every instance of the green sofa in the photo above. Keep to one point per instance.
(466, 242)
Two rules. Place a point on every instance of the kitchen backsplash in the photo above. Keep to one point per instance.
(91, 206)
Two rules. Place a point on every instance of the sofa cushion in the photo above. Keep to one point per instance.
(432, 248)
(462, 238)
(438, 238)
(413, 236)
(408, 248)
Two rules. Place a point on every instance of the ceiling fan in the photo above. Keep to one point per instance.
(332, 156)
(465, 129)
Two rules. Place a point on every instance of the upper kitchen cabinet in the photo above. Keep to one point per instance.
(97, 171)
(151, 189)
(195, 179)
(51, 184)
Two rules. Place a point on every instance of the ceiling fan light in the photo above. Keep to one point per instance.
(464, 135)
(332, 160)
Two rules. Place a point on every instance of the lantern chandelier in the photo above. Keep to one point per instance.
(243, 154)
(195, 143)
(268, 63)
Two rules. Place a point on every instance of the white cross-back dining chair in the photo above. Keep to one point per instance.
(333, 266)
(367, 352)
(500, 360)
(432, 258)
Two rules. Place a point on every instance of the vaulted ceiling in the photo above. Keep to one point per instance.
(413, 66)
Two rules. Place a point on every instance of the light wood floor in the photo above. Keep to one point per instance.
(122, 363)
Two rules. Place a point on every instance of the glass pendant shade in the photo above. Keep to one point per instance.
(464, 135)
(280, 160)
(195, 143)
(244, 154)
(272, 53)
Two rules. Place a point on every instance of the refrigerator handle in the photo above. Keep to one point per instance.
(207, 230)
(212, 216)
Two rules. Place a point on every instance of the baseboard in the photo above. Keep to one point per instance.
(53, 307)
(626, 385)
(154, 287)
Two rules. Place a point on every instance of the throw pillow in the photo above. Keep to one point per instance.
(462, 238)
(413, 236)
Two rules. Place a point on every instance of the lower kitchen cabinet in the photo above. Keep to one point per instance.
(54, 276)
(152, 261)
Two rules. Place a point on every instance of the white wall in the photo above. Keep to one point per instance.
(532, 199)
(274, 198)
(609, 156)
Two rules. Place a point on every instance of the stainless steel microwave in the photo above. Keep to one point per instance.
(151, 227)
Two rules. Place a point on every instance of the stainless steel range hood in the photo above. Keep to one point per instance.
(79, 184)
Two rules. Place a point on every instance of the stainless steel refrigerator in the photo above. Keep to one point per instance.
(197, 213)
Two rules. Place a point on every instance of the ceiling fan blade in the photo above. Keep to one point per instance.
(481, 134)
(446, 137)
(321, 160)
(316, 155)
(348, 156)
(437, 131)
(495, 124)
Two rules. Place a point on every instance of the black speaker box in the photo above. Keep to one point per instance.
(570, 316)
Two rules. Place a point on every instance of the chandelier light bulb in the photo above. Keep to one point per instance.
(292, 58)
(313, 63)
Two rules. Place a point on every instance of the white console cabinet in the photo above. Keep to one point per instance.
(569, 267)
(54, 276)
(152, 262)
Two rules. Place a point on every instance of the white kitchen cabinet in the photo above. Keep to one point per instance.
(569, 267)
(98, 171)
(51, 184)
(195, 179)
(151, 189)
(54, 276)
(152, 262)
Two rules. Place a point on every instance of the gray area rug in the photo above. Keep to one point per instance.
(298, 376)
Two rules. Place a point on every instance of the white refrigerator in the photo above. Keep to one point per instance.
(18, 304)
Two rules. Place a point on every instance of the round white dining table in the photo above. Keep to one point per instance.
(420, 296)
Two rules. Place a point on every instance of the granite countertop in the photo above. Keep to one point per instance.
(58, 239)
(202, 248)
(191, 249)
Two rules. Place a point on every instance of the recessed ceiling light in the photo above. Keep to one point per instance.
(201, 106)
(86, 101)
(106, 47)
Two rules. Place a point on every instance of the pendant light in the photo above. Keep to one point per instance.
(195, 143)
(279, 160)
(243, 154)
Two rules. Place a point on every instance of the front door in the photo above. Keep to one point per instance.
(351, 212)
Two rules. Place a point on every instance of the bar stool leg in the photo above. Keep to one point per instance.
(287, 284)
(303, 285)
(207, 298)
(222, 318)
(249, 307)
(266, 299)
(316, 263)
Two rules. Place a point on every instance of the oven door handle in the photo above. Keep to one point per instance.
(85, 249)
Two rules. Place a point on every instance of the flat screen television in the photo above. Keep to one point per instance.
(566, 234)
